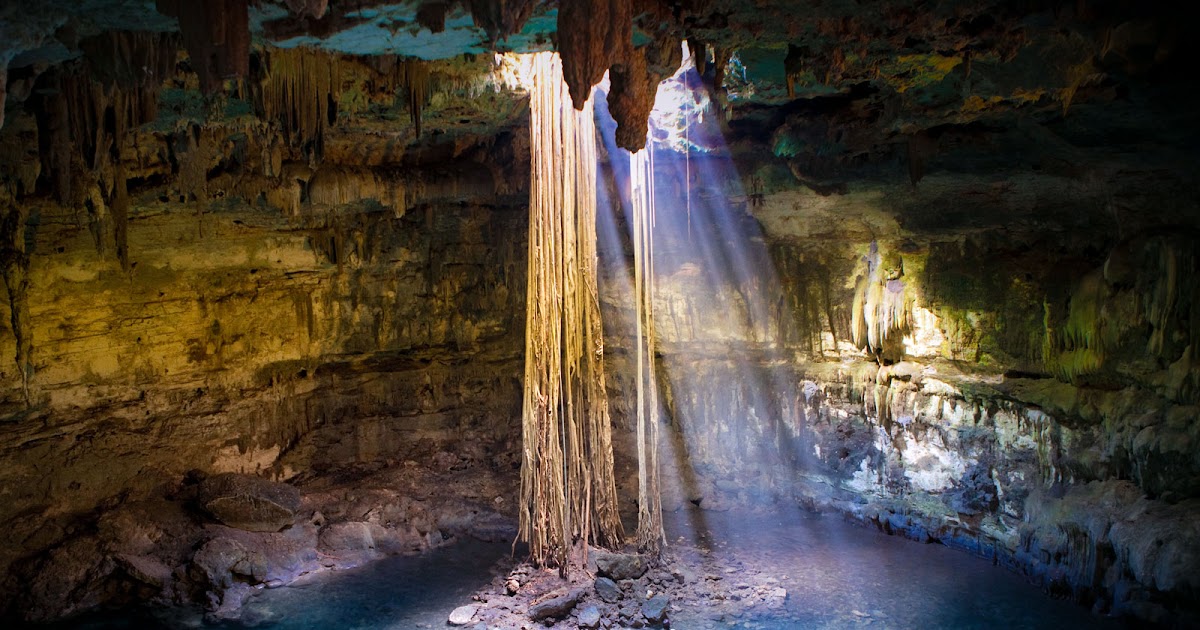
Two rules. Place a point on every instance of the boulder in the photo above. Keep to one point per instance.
(72, 579)
(144, 569)
(619, 566)
(248, 502)
(607, 590)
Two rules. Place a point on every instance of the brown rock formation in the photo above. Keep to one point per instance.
(592, 35)
(216, 34)
(635, 82)
(250, 503)
(310, 8)
(3, 90)
(500, 18)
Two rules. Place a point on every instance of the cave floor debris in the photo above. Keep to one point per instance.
(773, 570)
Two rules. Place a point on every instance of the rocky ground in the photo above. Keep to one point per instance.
(215, 540)
(622, 590)
(768, 568)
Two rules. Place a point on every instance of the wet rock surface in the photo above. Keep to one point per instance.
(158, 551)
(781, 569)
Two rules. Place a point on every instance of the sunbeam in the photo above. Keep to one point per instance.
(711, 280)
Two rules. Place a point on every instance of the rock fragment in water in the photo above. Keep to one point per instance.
(463, 615)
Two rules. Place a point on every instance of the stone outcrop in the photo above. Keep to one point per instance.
(248, 502)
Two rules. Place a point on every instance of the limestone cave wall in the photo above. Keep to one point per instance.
(347, 336)
(1013, 378)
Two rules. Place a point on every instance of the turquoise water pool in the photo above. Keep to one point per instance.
(835, 575)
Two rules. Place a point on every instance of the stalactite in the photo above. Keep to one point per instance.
(592, 35)
(14, 266)
(120, 192)
(311, 8)
(432, 15)
(882, 311)
(568, 491)
(216, 34)
(500, 18)
(415, 79)
(55, 148)
(650, 533)
(88, 111)
(634, 87)
(3, 88)
(595, 36)
(303, 86)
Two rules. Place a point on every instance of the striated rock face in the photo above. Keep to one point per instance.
(246, 339)
(250, 503)
(1010, 397)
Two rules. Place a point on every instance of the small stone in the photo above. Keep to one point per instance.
(512, 586)
(683, 575)
(463, 615)
(607, 589)
(655, 609)
(589, 618)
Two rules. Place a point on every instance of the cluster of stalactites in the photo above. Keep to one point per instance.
(1144, 301)
(216, 34)
(310, 8)
(3, 88)
(87, 109)
(302, 87)
(596, 36)
(500, 18)
(882, 311)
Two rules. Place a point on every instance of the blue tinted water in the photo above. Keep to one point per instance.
(836, 575)
(396, 593)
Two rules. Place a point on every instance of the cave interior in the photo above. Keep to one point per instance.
(923, 270)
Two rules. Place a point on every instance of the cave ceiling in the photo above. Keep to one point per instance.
(822, 95)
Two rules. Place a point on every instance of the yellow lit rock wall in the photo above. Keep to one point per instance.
(238, 332)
